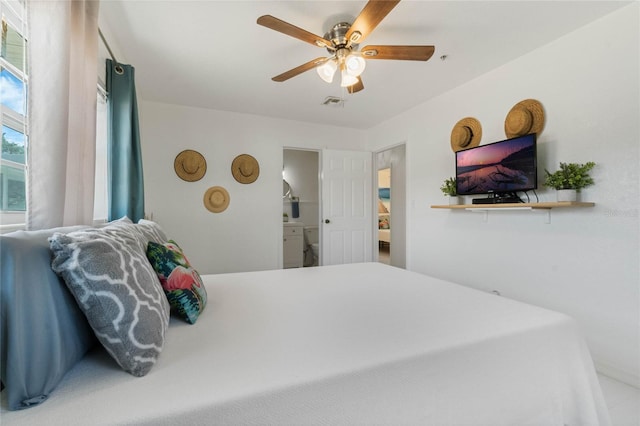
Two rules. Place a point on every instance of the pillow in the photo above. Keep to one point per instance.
(43, 332)
(181, 283)
(107, 271)
(152, 231)
(383, 221)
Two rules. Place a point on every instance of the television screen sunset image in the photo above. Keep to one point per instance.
(506, 166)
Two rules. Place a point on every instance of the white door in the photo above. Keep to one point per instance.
(346, 207)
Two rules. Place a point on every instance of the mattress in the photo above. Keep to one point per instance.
(346, 344)
(384, 235)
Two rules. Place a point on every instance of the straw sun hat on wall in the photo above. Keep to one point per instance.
(216, 199)
(245, 168)
(466, 134)
(190, 165)
(525, 117)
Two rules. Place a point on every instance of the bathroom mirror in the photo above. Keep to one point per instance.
(286, 189)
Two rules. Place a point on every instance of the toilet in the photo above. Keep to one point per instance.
(312, 245)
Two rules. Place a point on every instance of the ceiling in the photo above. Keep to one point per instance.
(212, 54)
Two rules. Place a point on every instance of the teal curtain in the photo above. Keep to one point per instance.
(125, 179)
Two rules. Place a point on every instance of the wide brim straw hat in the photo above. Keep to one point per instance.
(190, 165)
(216, 199)
(245, 168)
(525, 117)
(466, 134)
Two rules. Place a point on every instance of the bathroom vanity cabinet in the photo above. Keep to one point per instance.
(292, 245)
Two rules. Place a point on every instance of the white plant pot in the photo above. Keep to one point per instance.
(566, 195)
(455, 200)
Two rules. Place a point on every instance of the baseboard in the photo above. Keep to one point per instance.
(623, 376)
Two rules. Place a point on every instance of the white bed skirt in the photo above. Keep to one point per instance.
(344, 345)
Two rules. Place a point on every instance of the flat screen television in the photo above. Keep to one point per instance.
(503, 167)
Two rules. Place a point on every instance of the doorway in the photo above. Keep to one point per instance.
(391, 208)
(384, 215)
(301, 204)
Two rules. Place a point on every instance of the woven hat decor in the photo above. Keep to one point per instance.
(190, 165)
(216, 199)
(525, 117)
(245, 168)
(466, 134)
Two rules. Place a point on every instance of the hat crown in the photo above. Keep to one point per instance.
(520, 121)
(191, 164)
(525, 117)
(462, 135)
(246, 169)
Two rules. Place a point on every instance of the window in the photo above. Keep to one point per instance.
(13, 113)
(14, 118)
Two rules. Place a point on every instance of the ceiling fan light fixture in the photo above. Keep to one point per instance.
(342, 42)
(348, 79)
(355, 64)
(327, 70)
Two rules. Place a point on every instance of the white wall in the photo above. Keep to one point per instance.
(248, 235)
(586, 261)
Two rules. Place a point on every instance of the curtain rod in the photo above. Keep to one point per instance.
(118, 68)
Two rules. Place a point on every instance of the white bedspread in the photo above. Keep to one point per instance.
(344, 345)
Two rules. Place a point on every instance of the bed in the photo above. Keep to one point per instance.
(348, 344)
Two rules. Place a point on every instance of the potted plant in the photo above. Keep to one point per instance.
(448, 188)
(285, 217)
(569, 180)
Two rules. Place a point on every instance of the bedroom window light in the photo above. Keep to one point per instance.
(13, 115)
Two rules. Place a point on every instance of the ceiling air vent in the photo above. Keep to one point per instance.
(333, 101)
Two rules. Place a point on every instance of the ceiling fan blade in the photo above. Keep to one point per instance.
(300, 69)
(372, 14)
(406, 53)
(356, 87)
(293, 31)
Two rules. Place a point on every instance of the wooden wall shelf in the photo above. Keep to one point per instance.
(514, 206)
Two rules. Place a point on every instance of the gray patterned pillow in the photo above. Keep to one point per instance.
(152, 231)
(107, 271)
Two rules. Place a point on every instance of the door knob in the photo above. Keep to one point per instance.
(327, 221)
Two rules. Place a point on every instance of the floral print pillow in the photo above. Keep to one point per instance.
(181, 283)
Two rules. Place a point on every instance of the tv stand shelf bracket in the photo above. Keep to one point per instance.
(546, 211)
(537, 207)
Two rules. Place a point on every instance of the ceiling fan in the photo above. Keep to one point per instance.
(342, 43)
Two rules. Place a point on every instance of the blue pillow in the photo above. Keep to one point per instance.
(43, 332)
